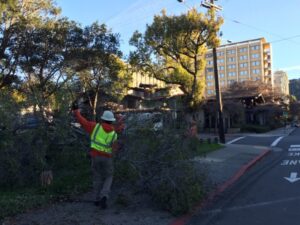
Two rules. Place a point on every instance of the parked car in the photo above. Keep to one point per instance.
(141, 120)
(27, 122)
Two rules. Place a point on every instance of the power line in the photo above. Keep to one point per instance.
(287, 38)
(265, 31)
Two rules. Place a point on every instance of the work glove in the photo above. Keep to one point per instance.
(74, 106)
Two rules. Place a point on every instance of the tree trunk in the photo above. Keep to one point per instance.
(95, 104)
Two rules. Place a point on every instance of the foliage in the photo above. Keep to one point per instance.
(173, 50)
(295, 88)
(249, 88)
(158, 163)
(99, 65)
(43, 60)
(33, 151)
(295, 109)
(69, 180)
(255, 128)
(16, 16)
(180, 191)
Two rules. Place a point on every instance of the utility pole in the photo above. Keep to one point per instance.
(213, 7)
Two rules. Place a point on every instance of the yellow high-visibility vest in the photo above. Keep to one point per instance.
(102, 141)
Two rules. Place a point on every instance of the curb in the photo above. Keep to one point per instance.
(221, 188)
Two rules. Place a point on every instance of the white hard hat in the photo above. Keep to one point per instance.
(108, 116)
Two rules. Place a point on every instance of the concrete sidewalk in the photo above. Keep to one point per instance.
(222, 164)
(224, 167)
(283, 131)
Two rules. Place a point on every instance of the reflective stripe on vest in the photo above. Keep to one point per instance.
(102, 141)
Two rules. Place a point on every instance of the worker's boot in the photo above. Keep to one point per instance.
(103, 202)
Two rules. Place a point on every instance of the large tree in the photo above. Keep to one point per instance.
(45, 59)
(249, 88)
(173, 50)
(99, 64)
(15, 17)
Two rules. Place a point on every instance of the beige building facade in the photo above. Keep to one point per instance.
(238, 62)
(281, 82)
(138, 79)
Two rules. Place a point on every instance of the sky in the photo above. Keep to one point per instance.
(277, 21)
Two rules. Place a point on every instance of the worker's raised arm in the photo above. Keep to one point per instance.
(88, 126)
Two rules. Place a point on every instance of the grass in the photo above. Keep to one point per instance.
(202, 148)
(18, 201)
(205, 148)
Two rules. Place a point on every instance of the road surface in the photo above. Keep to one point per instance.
(268, 194)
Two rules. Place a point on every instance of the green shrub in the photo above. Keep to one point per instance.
(158, 163)
(178, 194)
(255, 128)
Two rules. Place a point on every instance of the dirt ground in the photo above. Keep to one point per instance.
(82, 211)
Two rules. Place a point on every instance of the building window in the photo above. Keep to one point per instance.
(255, 56)
(231, 74)
(243, 57)
(209, 84)
(256, 47)
(256, 71)
(210, 92)
(209, 55)
(231, 59)
(243, 73)
(220, 60)
(221, 75)
(255, 63)
(231, 66)
(229, 52)
(209, 62)
(220, 53)
(209, 69)
(220, 67)
(243, 49)
(243, 65)
(222, 82)
(210, 77)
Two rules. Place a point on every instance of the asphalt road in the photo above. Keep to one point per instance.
(268, 194)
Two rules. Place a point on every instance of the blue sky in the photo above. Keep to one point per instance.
(278, 21)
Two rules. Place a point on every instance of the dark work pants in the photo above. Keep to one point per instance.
(102, 176)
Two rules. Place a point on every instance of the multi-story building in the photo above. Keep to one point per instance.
(295, 88)
(238, 62)
(281, 83)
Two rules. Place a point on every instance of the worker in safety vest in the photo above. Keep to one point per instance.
(102, 137)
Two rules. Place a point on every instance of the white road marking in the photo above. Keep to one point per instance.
(276, 141)
(295, 146)
(294, 149)
(234, 140)
(290, 162)
(259, 204)
(293, 177)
